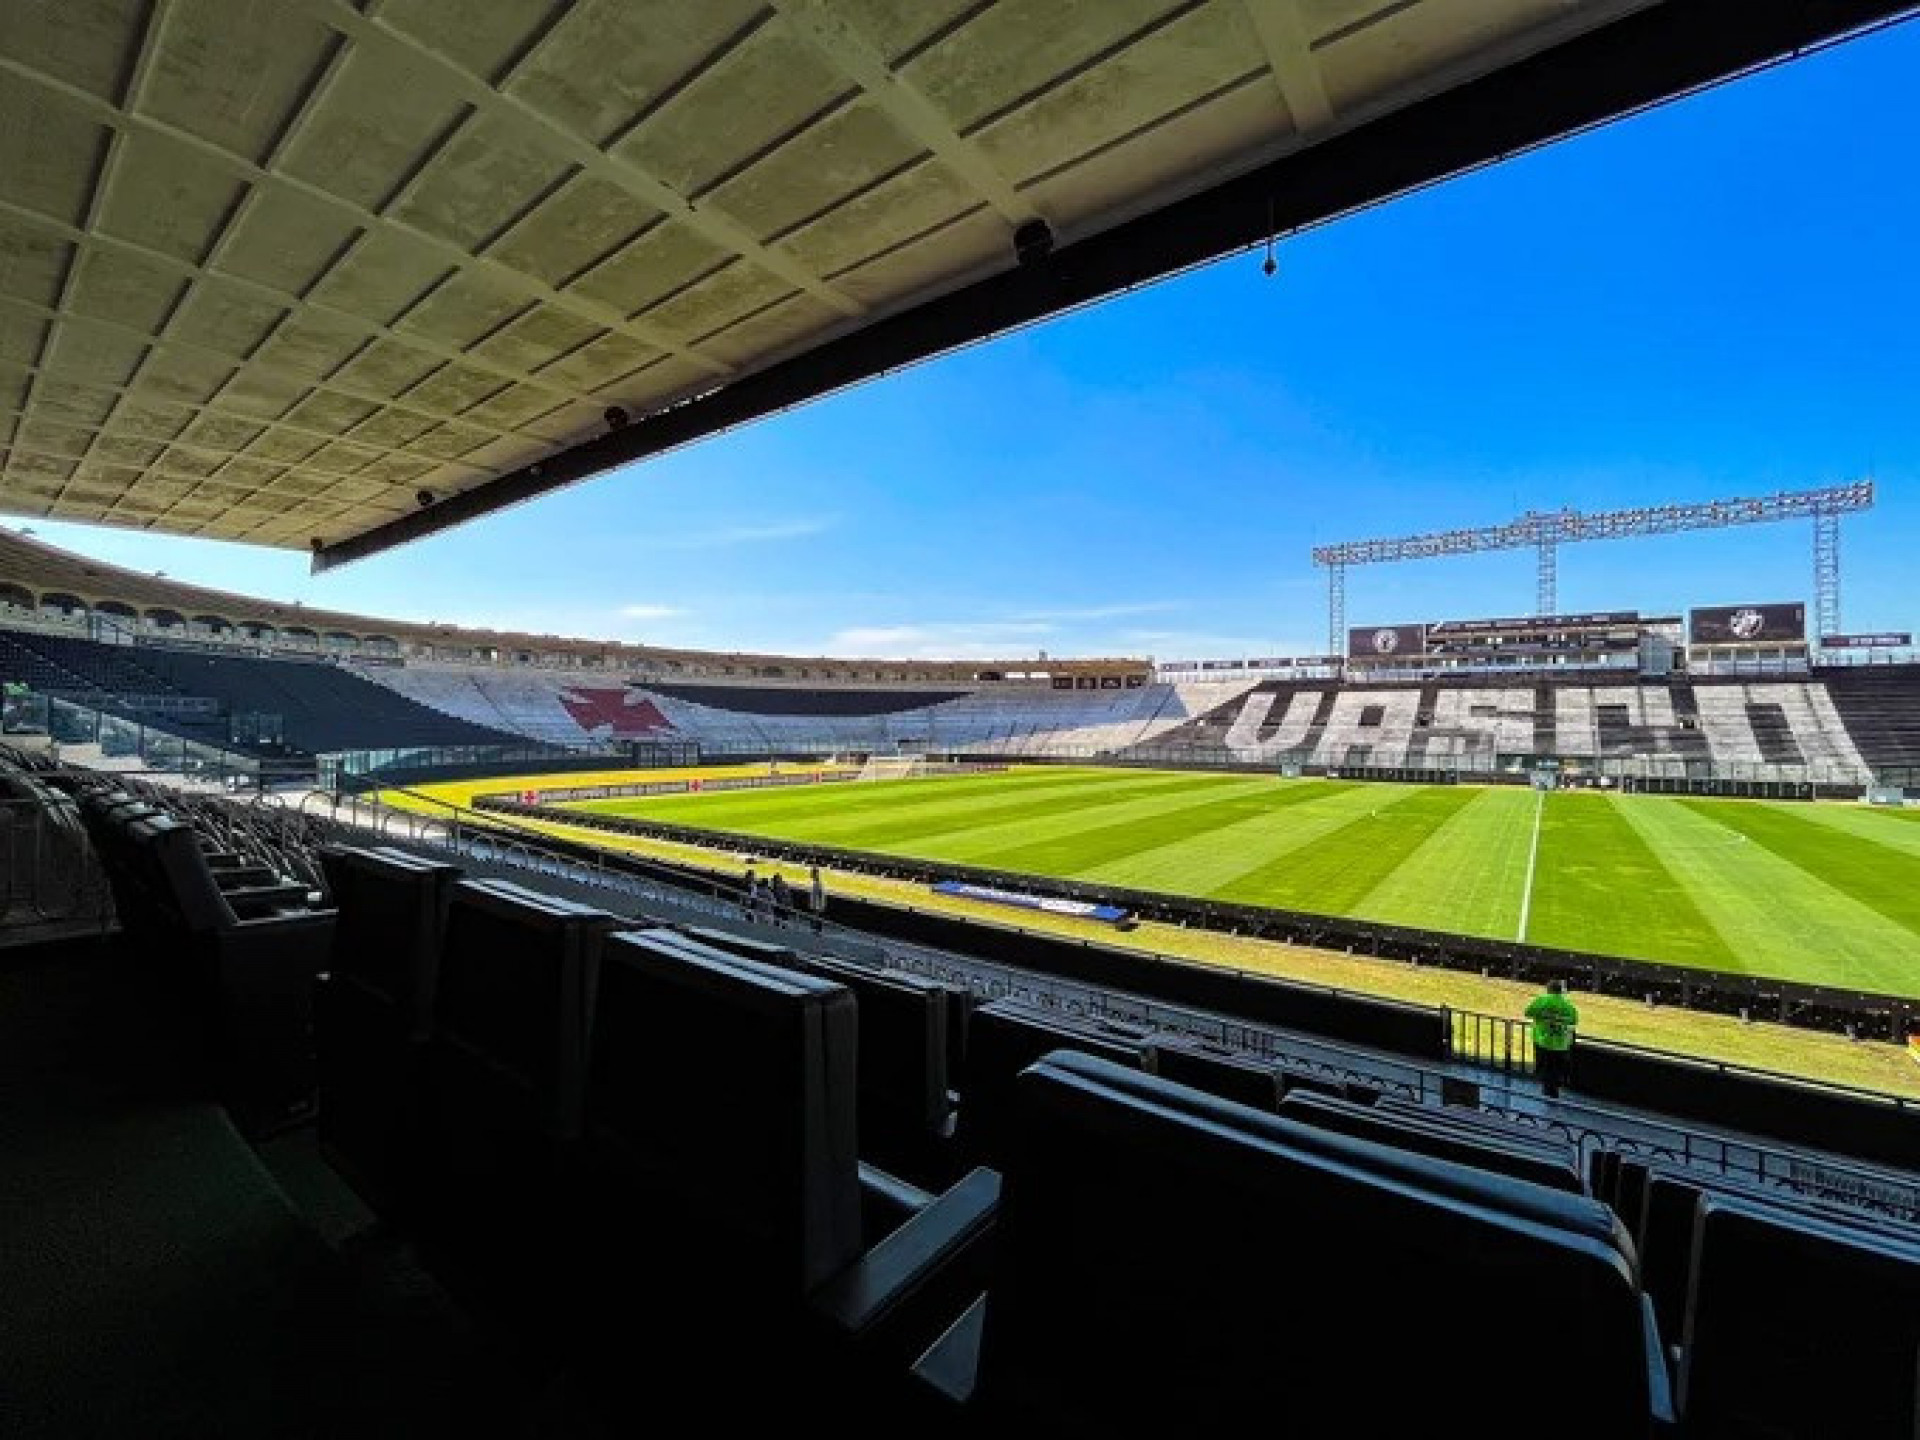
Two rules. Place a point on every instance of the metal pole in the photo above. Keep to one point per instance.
(1336, 609)
(1826, 573)
(1546, 597)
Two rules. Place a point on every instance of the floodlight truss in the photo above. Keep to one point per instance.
(1544, 531)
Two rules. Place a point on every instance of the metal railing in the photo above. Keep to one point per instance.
(1495, 1042)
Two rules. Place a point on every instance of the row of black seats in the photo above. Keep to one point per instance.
(572, 1119)
(1789, 1315)
(565, 1113)
(244, 937)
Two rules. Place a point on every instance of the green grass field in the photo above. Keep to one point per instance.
(1828, 894)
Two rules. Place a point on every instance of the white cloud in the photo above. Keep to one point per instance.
(650, 612)
(940, 640)
(719, 537)
(1117, 611)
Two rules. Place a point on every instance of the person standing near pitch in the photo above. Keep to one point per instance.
(817, 898)
(1554, 1018)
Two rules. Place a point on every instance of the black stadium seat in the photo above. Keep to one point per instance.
(506, 1073)
(373, 1015)
(1005, 1037)
(1168, 1260)
(1551, 1165)
(721, 1185)
(1798, 1327)
(905, 1103)
(1231, 1077)
(247, 956)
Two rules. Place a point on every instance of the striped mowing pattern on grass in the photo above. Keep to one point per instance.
(1825, 894)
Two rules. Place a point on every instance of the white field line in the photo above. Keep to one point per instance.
(1533, 857)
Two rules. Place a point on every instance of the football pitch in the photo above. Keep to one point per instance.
(1823, 893)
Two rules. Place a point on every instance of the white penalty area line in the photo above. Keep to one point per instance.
(1533, 858)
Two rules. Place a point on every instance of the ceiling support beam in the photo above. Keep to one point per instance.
(1290, 56)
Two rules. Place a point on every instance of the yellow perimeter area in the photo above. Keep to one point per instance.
(1815, 1055)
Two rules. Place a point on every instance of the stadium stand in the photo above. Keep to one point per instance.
(317, 708)
(1840, 727)
(554, 1109)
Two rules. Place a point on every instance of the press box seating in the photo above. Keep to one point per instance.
(1164, 1258)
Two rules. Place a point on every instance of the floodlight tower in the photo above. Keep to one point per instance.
(1545, 531)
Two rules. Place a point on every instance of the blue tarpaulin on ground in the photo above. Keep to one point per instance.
(1078, 909)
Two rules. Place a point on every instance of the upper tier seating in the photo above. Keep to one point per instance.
(321, 708)
(558, 707)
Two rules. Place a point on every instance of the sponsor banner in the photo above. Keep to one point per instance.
(1076, 909)
(1527, 624)
(1748, 624)
(1387, 642)
(1884, 640)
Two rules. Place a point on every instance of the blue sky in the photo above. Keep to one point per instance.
(1717, 298)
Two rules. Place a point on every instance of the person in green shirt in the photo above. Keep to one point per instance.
(1554, 1018)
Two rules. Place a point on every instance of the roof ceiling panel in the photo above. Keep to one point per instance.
(423, 244)
(850, 151)
(33, 261)
(536, 338)
(285, 240)
(480, 36)
(84, 43)
(921, 197)
(483, 179)
(666, 258)
(53, 152)
(167, 196)
(123, 289)
(1021, 48)
(1161, 74)
(90, 351)
(896, 28)
(21, 336)
(225, 318)
(465, 308)
(232, 72)
(376, 123)
(721, 298)
(583, 223)
(702, 133)
(608, 62)
(381, 278)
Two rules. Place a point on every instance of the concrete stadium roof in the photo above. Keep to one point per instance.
(312, 273)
